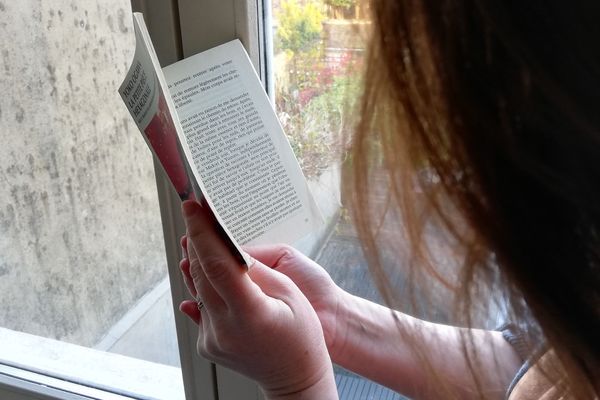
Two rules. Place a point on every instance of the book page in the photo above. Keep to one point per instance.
(147, 103)
(148, 100)
(239, 149)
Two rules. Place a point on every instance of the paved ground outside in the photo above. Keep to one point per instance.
(343, 258)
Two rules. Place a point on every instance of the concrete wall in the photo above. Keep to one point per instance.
(80, 234)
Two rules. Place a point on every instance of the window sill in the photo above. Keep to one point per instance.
(84, 371)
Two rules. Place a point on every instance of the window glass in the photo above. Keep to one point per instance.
(318, 56)
(82, 258)
(318, 51)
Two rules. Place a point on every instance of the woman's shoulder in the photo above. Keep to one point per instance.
(537, 382)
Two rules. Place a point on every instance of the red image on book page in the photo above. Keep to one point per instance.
(162, 136)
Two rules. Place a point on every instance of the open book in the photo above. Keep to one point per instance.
(211, 125)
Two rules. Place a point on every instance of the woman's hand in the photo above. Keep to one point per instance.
(256, 322)
(315, 283)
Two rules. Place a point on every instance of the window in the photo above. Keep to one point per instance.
(88, 270)
(86, 294)
(82, 254)
(318, 54)
(85, 280)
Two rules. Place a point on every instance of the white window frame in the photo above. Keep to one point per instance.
(179, 28)
(197, 26)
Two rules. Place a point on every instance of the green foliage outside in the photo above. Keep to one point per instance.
(315, 96)
(299, 27)
(318, 131)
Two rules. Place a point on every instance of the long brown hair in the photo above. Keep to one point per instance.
(492, 110)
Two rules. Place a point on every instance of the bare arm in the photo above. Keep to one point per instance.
(368, 341)
(365, 337)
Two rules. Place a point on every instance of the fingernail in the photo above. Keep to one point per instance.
(183, 264)
(251, 260)
(189, 208)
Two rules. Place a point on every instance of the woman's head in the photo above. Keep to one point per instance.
(499, 102)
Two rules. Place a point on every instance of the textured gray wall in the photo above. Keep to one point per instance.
(80, 235)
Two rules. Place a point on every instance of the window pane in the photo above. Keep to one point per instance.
(318, 51)
(82, 258)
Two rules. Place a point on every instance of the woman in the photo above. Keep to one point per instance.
(498, 100)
